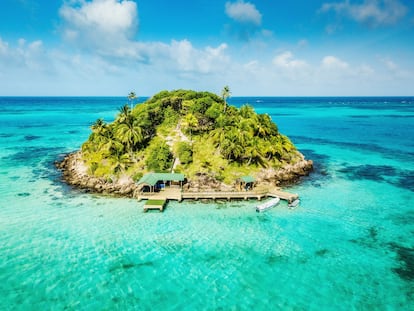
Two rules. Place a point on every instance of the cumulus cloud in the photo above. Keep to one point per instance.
(4, 47)
(371, 12)
(106, 28)
(29, 55)
(99, 23)
(187, 58)
(332, 62)
(243, 12)
(389, 64)
(286, 60)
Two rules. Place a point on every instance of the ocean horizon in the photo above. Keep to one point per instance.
(348, 246)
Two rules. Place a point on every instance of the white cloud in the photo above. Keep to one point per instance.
(267, 33)
(244, 12)
(4, 47)
(28, 55)
(104, 28)
(371, 12)
(332, 62)
(110, 61)
(365, 70)
(100, 23)
(186, 58)
(33, 69)
(389, 64)
(286, 60)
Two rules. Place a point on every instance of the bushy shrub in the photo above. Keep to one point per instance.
(159, 157)
(185, 153)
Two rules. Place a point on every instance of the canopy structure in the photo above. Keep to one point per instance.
(245, 183)
(247, 179)
(152, 179)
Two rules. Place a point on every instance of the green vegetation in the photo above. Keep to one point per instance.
(155, 202)
(198, 131)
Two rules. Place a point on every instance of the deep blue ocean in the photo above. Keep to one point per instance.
(348, 246)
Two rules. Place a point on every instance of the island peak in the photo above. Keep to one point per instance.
(183, 131)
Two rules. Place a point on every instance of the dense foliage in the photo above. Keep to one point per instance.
(197, 131)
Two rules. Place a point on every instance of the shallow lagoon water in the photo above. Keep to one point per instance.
(349, 246)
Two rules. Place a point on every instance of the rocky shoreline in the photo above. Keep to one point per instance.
(74, 173)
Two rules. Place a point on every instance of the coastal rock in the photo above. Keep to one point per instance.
(74, 172)
(286, 175)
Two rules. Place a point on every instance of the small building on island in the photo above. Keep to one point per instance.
(245, 183)
(153, 182)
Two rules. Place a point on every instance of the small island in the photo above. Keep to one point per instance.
(195, 134)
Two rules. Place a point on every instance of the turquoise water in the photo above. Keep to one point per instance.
(349, 246)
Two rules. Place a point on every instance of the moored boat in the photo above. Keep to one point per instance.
(294, 204)
(267, 205)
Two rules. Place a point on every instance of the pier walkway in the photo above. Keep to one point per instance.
(178, 195)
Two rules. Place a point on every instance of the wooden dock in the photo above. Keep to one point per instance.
(178, 195)
(230, 195)
(283, 195)
(155, 205)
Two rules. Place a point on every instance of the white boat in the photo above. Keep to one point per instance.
(267, 205)
(293, 204)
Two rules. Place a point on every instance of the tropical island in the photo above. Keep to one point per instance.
(182, 131)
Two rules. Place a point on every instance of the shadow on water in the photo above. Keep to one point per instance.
(374, 148)
(406, 259)
(42, 160)
(369, 240)
(31, 137)
(405, 255)
(391, 116)
(6, 135)
(380, 173)
(320, 173)
(322, 252)
(276, 259)
(28, 156)
(131, 265)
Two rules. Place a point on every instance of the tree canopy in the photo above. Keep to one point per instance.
(189, 126)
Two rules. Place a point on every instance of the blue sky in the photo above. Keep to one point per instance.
(257, 47)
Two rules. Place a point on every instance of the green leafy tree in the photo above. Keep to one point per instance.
(190, 123)
(185, 153)
(265, 126)
(231, 147)
(130, 134)
(220, 135)
(99, 126)
(120, 162)
(255, 151)
(160, 158)
(124, 114)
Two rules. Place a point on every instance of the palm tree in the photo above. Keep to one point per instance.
(124, 114)
(231, 146)
(120, 162)
(101, 133)
(130, 134)
(132, 97)
(247, 111)
(190, 122)
(265, 126)
(225, 93)
(218, 135)
(254, 151)
(99, 126)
